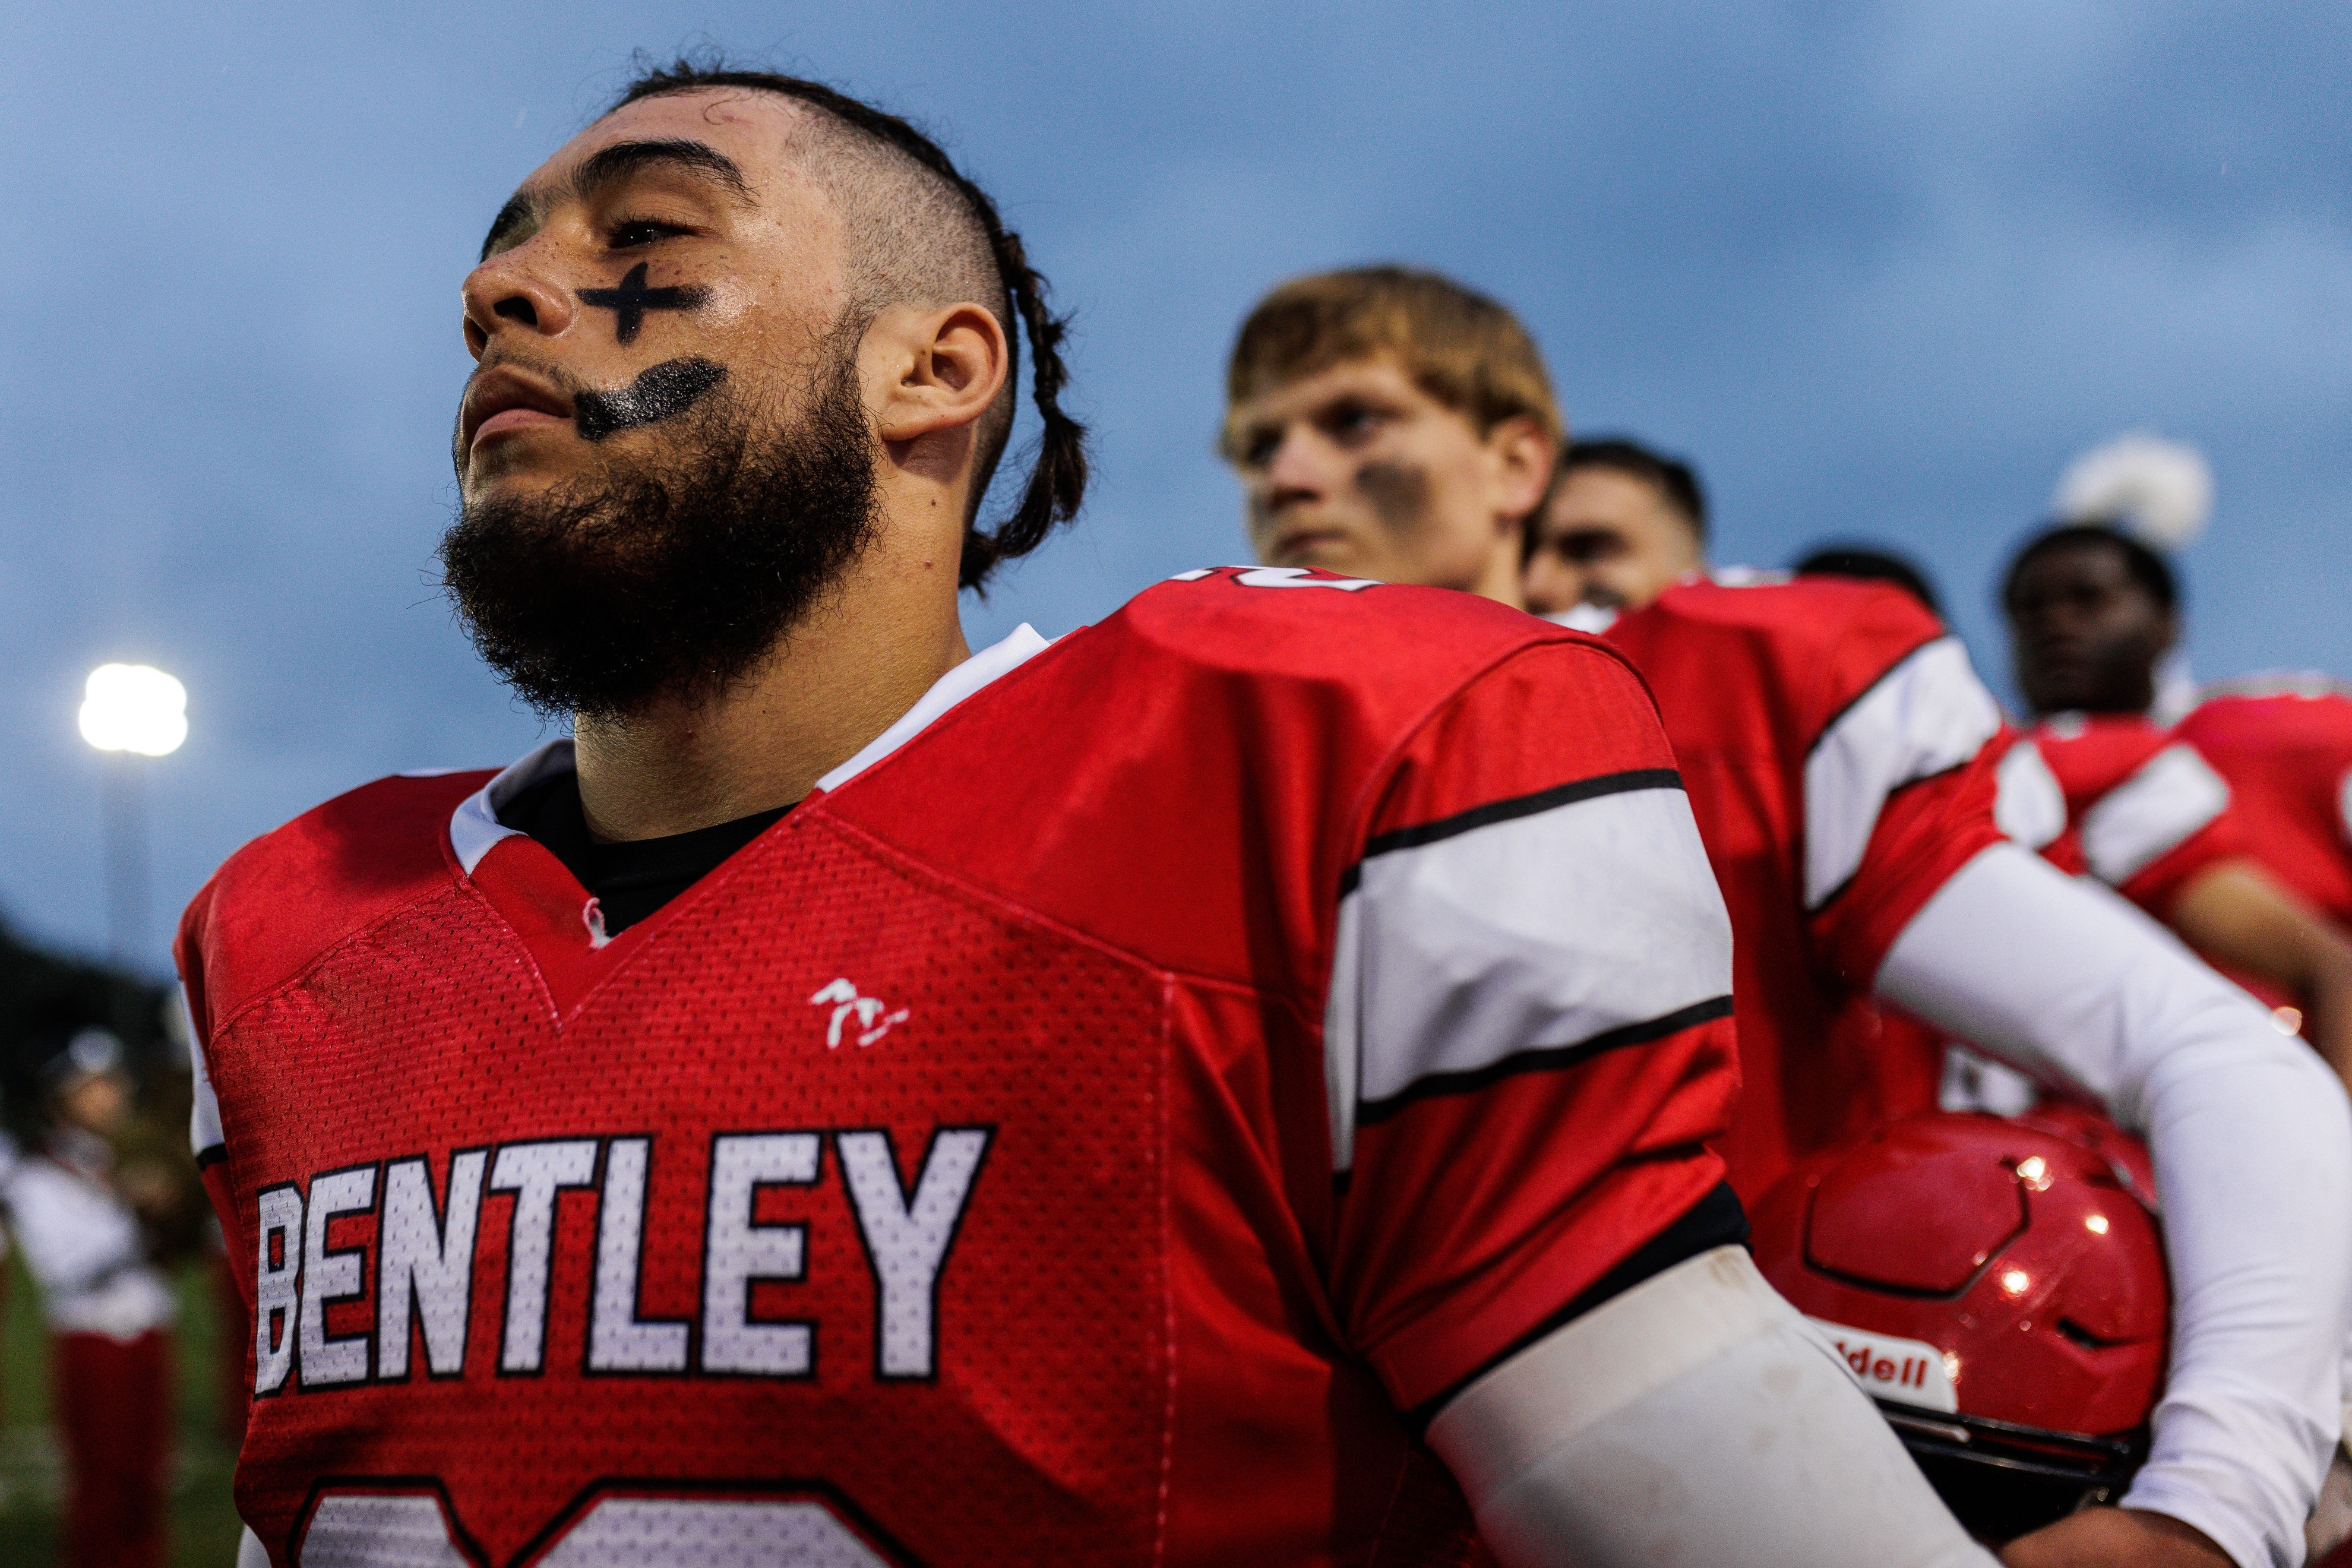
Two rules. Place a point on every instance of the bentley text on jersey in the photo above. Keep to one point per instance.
(422, 1257)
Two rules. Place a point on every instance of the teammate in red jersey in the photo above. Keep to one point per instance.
(2284, 744)
(2284, 741)
(2091, 612)
(856, 1101)
(2100, 789)
(1832, 738)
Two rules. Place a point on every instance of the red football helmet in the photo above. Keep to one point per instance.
(1998, 1285)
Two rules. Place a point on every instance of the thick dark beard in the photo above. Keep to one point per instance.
(671, 576)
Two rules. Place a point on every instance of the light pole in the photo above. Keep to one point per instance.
(133, 710)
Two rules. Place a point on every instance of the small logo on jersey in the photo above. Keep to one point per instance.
(874, 1017)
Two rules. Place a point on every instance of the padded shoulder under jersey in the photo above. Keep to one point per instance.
(1084, 1133)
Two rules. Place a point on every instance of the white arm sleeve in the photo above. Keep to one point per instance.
(2253, 1148)
(1692, 1422)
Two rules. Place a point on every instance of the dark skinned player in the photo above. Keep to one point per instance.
(2091, 613)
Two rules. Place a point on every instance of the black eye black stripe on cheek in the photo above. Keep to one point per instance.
(632, 300)
(663, 392)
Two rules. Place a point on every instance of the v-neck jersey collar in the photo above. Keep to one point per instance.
(475, 828)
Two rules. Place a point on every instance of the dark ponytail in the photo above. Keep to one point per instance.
(1057, 475)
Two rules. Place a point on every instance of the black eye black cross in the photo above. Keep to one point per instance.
(632, 300)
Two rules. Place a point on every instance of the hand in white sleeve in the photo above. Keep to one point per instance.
(2252, 1148)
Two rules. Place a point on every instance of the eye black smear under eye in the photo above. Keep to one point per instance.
(663, 392)
(1399, 492)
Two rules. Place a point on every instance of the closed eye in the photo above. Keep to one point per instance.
(628, 233)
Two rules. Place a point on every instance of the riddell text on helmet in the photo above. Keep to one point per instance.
(1888, 1367)
(420, 1258)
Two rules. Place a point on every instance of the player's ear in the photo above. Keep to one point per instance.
(1521, 453)
(939, 368)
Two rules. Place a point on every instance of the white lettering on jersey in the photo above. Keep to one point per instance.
(533, 1173)
(874, 1017)
(622, 1533)
(906, 1238)
(428, 1260)
(330, 1276)
(426, 1254)
(276, 1294)
(1276, 577)
(617, 1340)
(372, 1530)
(736, 1252)
(412, 1529)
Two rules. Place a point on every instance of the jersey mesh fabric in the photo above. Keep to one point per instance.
(1088, 913)
(1750, 680)
(1045, 1430)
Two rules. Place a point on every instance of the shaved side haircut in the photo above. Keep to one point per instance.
(921, 234)
(1459, 346)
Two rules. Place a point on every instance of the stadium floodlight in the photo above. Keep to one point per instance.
(135, 708)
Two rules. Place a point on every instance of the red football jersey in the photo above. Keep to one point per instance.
(2285, 746)
(1833, 736)
(1088, 1127)
(2119, 797)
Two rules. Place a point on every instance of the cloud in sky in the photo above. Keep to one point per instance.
(1880, 270)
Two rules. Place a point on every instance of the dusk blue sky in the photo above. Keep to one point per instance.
(1881, 270)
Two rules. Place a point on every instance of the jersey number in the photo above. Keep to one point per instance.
(1277, 577)
(400, 1527)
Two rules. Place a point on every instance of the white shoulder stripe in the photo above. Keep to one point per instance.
(1518, 942)
(1925, 715)
(2150, 814)
(2031, 805)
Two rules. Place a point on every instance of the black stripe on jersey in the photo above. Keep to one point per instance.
(1496, 811)
(1542, 1059)
(1848, 705)
(1834, 894)
(1716, 1220)
(206, 1158)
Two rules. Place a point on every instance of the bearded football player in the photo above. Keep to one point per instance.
(1138, 1100)
(1833, 740)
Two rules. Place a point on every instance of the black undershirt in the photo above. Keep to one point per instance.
(632, 879)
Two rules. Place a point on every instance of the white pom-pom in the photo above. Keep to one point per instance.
(2161, 490)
